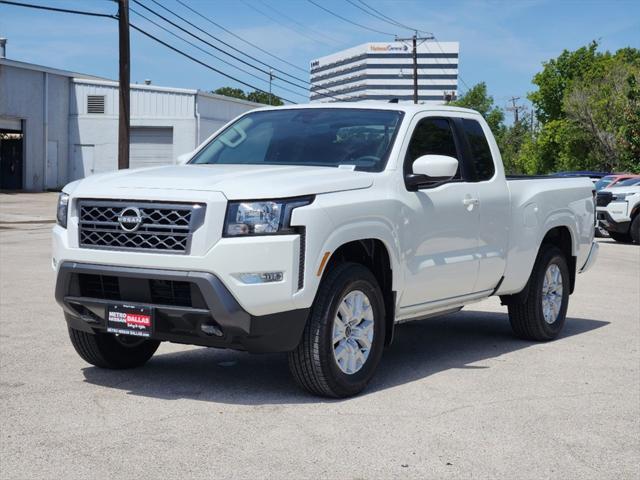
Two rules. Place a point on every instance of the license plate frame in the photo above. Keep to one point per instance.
(134, 320)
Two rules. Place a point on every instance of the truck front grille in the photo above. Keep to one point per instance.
(141, 290)
(603, 199)
(136, 225)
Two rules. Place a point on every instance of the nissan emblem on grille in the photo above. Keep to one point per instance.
(130, 219)
(138, 225)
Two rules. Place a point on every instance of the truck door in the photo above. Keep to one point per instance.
(441, 224)
(493, 201)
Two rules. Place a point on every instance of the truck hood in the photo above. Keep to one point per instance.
(236, 182)
(623, 189)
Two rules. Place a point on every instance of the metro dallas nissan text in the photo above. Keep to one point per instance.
(314, 230)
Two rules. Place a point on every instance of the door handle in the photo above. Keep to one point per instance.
(468, 201)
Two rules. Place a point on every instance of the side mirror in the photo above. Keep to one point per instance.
(184, 158)
(431, 171)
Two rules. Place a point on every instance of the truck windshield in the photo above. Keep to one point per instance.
(328, 137)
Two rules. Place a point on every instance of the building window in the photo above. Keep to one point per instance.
(95, 103)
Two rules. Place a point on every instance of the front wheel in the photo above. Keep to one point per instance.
(344, 337)
(635, 228)
(107, 350)
(542, 316)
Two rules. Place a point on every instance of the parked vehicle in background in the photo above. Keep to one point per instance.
(625, 179)
(313, 230)
(611, 180)
(594, 176)
(618, 210)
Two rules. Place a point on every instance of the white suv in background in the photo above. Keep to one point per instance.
(618, 210)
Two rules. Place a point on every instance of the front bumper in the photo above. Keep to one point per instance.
(611, 224)
(182, 301)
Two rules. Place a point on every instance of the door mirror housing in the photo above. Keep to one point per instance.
(431, 170)
(184, 158)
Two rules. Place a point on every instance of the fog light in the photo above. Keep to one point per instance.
(264, 277)
(211, 329)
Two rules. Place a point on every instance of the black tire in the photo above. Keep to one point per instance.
(635, 229)
(312, 363)
(621, 237)
(104, 350)
(527, 319)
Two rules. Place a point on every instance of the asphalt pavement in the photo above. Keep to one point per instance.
(456, 397)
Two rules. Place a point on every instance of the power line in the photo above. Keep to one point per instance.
(266, 72)
(349, 21)
(55, 9)
(217, 39)
(278, 21)
(395, 22)
(206, 65)
(389, 19)
(145, 33)
(207, 19)
(302, 25)
(209, 53)
(459, 76)
(376, 16)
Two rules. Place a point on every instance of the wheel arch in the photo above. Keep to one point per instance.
(373, 253)
(561, 237)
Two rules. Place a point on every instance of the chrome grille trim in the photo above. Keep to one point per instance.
(165, 227)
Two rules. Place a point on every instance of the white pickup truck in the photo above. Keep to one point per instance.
(314, 230)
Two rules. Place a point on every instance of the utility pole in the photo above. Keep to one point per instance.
(125, 80)
(414, 53)
(415, 67)
(516, 109)
(270, 80)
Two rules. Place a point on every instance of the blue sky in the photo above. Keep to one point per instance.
(501, 43)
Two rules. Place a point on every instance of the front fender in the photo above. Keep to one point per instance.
(330, 224)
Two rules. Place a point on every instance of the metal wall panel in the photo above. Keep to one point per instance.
(150, 146)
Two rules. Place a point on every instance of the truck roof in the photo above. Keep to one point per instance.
(377, 105)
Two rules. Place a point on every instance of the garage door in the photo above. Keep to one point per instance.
(150, 146)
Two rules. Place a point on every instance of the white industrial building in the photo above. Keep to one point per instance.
(57, 126)
(384, 71)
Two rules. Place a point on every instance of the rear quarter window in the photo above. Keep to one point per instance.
(480, 151)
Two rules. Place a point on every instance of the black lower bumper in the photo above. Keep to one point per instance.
(182, 302)
(611, 225)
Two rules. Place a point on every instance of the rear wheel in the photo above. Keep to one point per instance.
(542, 316)
(621, 237)
(107, 350)
(344, 337)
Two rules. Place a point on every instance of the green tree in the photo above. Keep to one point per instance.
(477, 98)
(586, 107)
(231, 92)
(266, 98)
(556, 77)
(630, 131)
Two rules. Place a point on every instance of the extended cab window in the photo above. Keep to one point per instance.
(432, 136)
(480, 151)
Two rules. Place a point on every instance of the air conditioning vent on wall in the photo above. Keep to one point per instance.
(95, 103)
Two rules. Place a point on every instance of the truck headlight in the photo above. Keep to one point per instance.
(261, 217)
(621, 197)
(63, 209)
